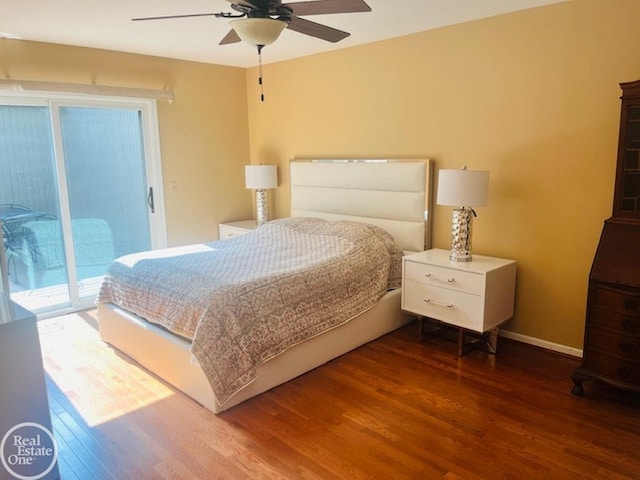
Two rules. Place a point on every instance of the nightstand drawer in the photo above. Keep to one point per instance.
(450, 306)
(228, 232)
(234, 229)
(444, 277)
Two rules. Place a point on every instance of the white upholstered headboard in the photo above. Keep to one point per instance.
(392, 194)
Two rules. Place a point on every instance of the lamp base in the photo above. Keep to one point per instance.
(461, 219)
(262, 207)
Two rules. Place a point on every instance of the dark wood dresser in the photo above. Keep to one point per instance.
(612, 331)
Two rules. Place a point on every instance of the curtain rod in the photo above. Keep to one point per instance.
(37, 86)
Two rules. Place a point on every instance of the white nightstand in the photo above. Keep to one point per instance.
(474, 296)
(233, 229)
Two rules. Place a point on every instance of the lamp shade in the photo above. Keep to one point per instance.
(259, 177)
(258, 31)
(463, 188)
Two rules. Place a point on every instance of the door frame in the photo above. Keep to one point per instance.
(153, 166)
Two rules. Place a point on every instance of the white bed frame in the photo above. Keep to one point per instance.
(393, 194)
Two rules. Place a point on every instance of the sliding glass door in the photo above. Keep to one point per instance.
(80, 186)
(29, 194)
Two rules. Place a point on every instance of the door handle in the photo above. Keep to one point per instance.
(150, 200)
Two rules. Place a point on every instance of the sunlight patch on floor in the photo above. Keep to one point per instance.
(49, 298)
(70, 345)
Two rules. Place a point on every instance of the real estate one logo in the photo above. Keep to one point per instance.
(28, 451)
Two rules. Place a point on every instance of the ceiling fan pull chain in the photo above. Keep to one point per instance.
(260, 74)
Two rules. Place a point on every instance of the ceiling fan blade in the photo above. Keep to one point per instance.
(164, 17)
(326, 7)
(317, 30)
(231, 37)
(247, 3)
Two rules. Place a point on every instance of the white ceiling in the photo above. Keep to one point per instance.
(106, 24)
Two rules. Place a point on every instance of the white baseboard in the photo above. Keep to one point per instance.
(555, 347)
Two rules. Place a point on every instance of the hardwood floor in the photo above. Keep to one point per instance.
(392, 409)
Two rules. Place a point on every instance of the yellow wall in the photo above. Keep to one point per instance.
(204, 136)
(532, 97)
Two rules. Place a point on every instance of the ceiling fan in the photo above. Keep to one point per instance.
(260, 22)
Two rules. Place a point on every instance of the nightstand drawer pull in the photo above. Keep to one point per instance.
(630, 324)
(446, 305)
(449, 279)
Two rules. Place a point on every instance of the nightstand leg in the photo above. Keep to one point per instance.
(487, 342)
(461, 345)
(491, 341)
(429, 328)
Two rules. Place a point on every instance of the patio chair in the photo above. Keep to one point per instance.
(10, 216)
(41, 261)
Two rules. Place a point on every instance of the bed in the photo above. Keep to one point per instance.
(378, 198)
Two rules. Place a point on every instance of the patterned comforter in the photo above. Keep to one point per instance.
(244, 300)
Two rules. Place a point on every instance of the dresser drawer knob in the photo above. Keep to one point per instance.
(630, 324)
(631, 303)
(627, 347)
(624, 371)
(440, 304)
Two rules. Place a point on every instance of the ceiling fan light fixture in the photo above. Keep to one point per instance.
(258, 31)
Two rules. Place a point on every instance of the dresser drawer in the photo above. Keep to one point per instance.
(626, 371)
(432, 275)
(610, 342)
(618, 299)
(450, 306)
(605, 317)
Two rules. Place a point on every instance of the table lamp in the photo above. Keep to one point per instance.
(261, 178)
(463, 189)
